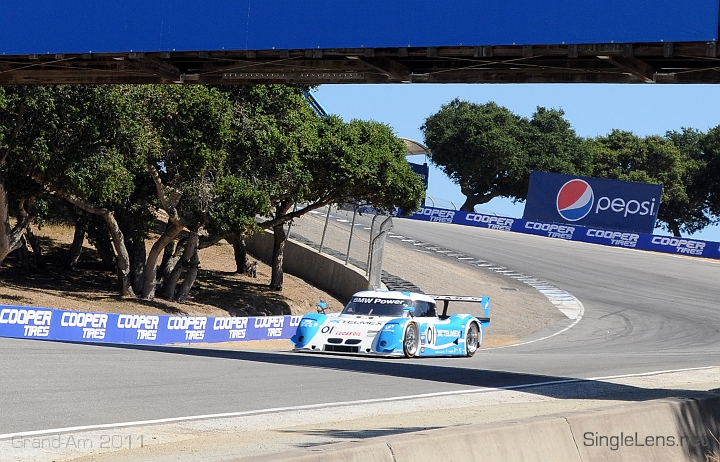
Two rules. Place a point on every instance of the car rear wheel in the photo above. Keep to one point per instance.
(472, 339)
(411, 340)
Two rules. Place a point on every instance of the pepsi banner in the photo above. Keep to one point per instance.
(593, 235)
(139, 329)
(596, 202)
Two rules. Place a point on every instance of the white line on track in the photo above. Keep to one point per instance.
(334, 404)
(577, 320)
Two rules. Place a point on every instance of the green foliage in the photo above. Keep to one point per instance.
(282, 146)
(479, 146)
(708, 177)
(489, 151)
(236, 204)
(670, 161)
(553, 146)
(274, 130)
(90, 145)
(364, 160)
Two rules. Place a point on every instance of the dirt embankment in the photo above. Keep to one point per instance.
(218, 291)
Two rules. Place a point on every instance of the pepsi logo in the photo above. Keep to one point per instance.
(575, 200)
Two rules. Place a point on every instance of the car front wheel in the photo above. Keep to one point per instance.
(411, 340)
(472, 339)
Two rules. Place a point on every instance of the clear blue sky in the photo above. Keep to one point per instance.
(592, 109)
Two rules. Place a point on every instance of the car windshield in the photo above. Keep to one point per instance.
(373, 306)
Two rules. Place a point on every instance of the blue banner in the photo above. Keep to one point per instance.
(421, 170)
(593, 235)
(139, 329)
(83, 26)
(585, 201)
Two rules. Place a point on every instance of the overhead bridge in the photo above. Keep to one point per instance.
(369, 41)
(663, 62)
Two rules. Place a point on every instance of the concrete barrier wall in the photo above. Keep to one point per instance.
(325, 271)
(674, 429)
(685, 429)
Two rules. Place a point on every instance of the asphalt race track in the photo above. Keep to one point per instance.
(643, 312)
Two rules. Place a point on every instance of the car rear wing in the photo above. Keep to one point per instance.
(446, 299)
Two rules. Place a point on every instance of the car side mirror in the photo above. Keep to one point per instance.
(410, 310)
(321, 307)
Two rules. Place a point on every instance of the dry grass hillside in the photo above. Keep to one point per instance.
(218, 291)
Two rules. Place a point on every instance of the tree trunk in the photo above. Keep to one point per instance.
(240, 251)
(24, 255)
(10, 238)
(191, 273)
(151, 263)
(168, 251)
(186, 254)
(123, 260)
(137, 262)
(468, 205)
(276, 282)
(169, 265)
(5, 230)
(77, 244)
(37, 249)
(135, 231)
(674, 228)
(472, 199)
(101, 237)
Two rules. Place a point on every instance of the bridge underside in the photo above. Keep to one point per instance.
(686, 62)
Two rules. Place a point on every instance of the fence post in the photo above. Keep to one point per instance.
(352, 228)
(327, 218)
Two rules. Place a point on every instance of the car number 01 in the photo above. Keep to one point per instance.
(430, 335)
(327, 329)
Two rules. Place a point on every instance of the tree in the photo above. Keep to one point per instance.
(95, 155)
(27, 116)
(232, 214)
(553, 146)
(299, 158)
(696, 213)
(479, 147)
(489, 151)
(192, 126)
(622, 155)
(708, 180)
(273, 130)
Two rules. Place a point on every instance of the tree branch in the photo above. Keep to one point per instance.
(298, 213)
(160, 188)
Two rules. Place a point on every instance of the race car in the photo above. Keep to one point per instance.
(390, 323)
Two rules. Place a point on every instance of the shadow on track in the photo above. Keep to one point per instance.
(354, 435)
(544, 385)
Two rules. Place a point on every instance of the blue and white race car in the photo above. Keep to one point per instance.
(394, 324)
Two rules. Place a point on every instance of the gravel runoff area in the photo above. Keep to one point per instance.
(218, 439)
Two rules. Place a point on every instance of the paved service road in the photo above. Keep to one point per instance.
(643, 312)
